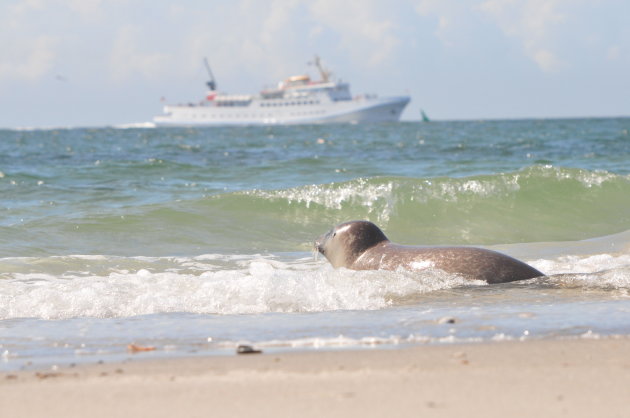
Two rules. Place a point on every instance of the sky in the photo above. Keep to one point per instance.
(113, 62)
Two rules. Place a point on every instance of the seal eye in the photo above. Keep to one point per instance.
(334, 234)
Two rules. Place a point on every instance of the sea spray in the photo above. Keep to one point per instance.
(256, 286)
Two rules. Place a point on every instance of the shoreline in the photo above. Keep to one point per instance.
(549, 377)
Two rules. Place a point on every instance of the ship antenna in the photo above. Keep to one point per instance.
(212, 84)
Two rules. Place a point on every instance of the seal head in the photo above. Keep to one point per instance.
(343, 244)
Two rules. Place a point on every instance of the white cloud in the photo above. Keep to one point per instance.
(28, 59)
(23, 7)
(452, 17)
(270, 40)
(279, 18)
(546, 60)
(362, 26)
(24, 56)
(532, 22)
(127, 59)
(613, 53)
(88, 9)
(247, 37)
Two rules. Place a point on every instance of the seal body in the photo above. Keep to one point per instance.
(361, 245)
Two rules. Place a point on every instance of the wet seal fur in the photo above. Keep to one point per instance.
(361, 245)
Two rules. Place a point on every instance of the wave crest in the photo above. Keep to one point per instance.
(260, 285)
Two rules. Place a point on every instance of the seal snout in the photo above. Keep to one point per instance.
(319, 244)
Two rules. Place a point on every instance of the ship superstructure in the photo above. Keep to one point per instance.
(296, 100)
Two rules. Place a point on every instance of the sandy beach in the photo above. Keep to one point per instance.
(578, 378)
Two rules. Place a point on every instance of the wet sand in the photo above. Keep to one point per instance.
(577, 378)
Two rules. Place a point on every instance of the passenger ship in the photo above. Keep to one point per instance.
(297, 100)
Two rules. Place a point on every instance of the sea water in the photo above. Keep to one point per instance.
(193, 241)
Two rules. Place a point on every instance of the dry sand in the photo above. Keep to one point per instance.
(576, 378)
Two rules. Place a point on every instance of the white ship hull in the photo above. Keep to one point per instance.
(351, 111)
(297, 100)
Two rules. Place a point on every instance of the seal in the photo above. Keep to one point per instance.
(361, 245)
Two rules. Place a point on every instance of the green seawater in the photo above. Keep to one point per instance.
(158, 192)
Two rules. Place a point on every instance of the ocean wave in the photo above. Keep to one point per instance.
(536, 204)
(102, 286)
(539, 203)
(251, 285)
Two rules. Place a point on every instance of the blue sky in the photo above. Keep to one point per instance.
(108, 62)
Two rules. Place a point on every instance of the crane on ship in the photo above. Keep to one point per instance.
(212, 84)
(324, 73)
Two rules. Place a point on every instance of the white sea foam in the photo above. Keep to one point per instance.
(135, 125)
(455, 188)
(38, 128)
(106, 287)
(378, 198)
(254, 286)
(595, 272)
(586, 177)
(571, 264)
(342, 341)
